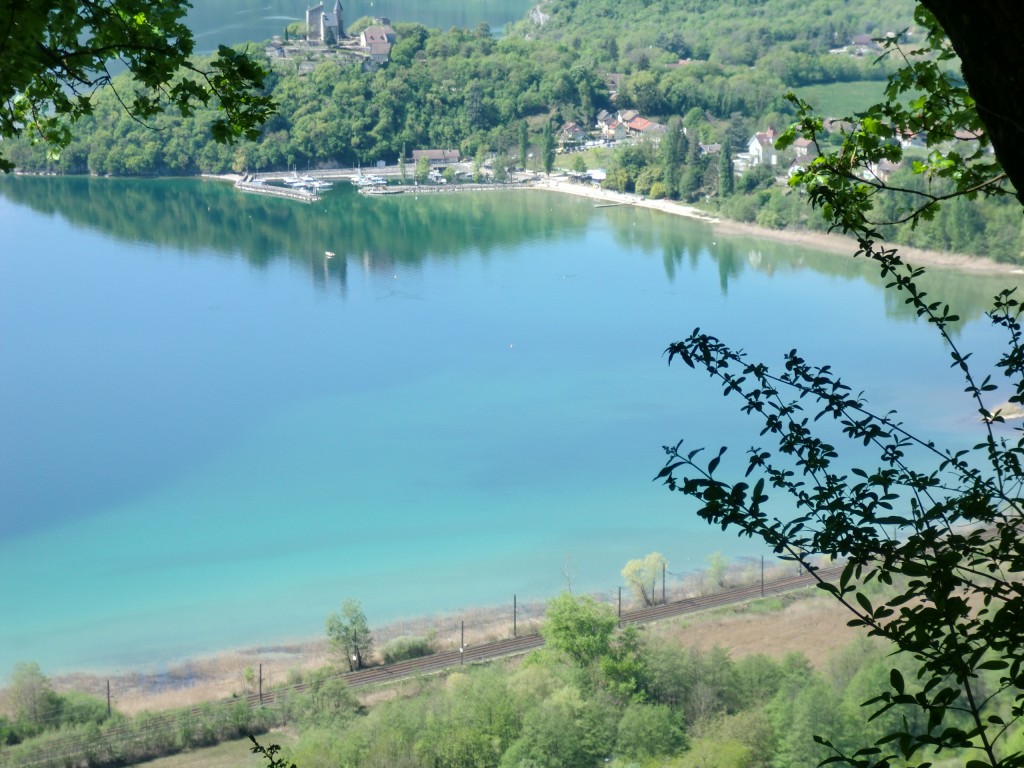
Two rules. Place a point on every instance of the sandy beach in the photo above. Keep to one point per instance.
(833, 243)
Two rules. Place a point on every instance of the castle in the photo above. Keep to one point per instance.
(325, 27)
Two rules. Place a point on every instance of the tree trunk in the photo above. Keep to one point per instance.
(989, 38)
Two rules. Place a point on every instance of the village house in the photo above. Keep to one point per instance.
(626, 116)
(881, 170)
(804, 148)
(610, 127)
(571, 135)
(436, 158)
(324, 26)
(761, 148)
(641, 127)
(613, 131)
(613, 81)
(377, 40)
(909, 139)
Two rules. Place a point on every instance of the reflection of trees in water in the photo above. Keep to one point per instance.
(204, 218)
(969, 295)
(379, 235)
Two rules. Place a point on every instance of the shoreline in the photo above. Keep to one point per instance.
(222, 673)
(823, 241)
(219, 672)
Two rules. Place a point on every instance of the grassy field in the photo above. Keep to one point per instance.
(230, 754)
(839, 99)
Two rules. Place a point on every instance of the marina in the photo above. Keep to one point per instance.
(308, 187)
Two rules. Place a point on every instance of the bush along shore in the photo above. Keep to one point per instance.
(75, 727)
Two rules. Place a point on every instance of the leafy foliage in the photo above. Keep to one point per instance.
(55, 54)
(939, 528)
(405, 648)
(642, 576)
(349, 634)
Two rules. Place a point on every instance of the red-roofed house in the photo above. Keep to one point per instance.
(641, 126)
(377, 41)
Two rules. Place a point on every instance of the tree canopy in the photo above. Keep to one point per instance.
(931, 535)
(54, 54)
(349, 634)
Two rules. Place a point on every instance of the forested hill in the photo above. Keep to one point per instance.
(724, 32)
(462, 89)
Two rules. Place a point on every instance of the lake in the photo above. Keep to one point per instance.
(240, 21)
(211, 435)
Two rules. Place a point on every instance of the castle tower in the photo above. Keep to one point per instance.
(314, 28)
(339, 19)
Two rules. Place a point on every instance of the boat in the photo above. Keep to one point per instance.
(329, 254)
(369, 181)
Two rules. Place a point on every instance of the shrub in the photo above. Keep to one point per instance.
(405, 648)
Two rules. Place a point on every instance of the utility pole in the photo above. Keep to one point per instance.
(514, 609)
(261, 683)
(663, 600)
(620, 606)
(462, 643)
(108, 699)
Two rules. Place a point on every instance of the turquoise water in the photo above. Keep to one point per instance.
(210, 435)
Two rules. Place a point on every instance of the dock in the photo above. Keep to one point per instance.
(256, 188)
(429, 189)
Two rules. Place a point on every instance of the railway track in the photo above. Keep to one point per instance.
(71, 749)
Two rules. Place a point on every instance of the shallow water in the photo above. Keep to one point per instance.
(210, 434)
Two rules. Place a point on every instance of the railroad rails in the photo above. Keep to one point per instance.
(71, 749)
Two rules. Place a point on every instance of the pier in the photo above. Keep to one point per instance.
(258, 188)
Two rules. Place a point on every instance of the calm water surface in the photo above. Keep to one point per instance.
(210, 435)
(238, 21)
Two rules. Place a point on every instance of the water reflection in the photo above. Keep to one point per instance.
(381, 235)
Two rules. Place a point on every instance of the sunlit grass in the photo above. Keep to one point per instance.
(228, 754)
(842, 99)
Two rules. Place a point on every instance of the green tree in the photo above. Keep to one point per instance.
(548, 148)
(564, 731)
(54, 54)
(579, 164)
(642, 576)
(938, 528)
(478, 165)
(718, 566)
(579, 627)
(726, 179)
(35, 705)
(694, 173)
(422, 170)
(349, 634)
(499, 168)
(524, 143)
(650, 730)
(673, 152)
